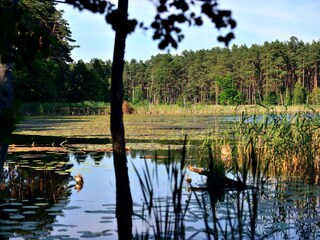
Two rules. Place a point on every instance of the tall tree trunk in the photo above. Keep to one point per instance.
(124, 208)
(315, 76)
(216, 92)
(6, 98)
(6, 92)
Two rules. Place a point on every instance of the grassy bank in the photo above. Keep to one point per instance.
(62, 109)
(221, 110)
(101, 108)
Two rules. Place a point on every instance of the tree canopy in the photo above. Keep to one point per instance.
(37, 29)
(259, 74)
(264, 73)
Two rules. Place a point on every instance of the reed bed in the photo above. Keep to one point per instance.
(220, 110)
(286, 144)
(164, 221)
(95, 108)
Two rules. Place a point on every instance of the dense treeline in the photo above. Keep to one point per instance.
(43, 68)
(49, 81)
(276, 72)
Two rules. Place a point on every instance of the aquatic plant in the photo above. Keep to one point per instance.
(165, 221)
(240, 193)
(289, 143)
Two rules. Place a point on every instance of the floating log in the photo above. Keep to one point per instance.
(215, 180)
(63, 148)
(200, 171)
(20, 148)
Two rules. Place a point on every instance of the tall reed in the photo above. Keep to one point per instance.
(289, 143)
(244, 197)
(165, 221)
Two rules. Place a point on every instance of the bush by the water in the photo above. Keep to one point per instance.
(61, 109)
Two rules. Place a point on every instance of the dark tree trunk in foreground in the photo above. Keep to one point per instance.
(6, 118)
(124, 209)
(6, 87)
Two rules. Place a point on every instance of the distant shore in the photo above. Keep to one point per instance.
(150, 123)
(101, 108)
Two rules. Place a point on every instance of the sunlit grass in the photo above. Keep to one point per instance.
(220, 109)
(98, 108)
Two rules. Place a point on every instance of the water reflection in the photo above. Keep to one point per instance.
(34, 190)
(291, 210)
(39, 199)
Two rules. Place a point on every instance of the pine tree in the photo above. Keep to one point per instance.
(299, 94)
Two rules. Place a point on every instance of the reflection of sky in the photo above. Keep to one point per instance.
(96, 194)
(92, 208)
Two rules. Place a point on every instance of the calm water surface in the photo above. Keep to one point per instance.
(40, 200)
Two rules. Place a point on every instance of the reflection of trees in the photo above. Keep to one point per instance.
(28, 184)
(95, 156)
(29, 192)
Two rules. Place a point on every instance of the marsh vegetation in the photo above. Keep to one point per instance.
(274, 155)
(43, 193)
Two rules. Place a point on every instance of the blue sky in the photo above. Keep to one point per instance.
(257, 21)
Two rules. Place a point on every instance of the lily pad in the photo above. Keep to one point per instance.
(31, 207)
(87, 234)
(17, 217)
(8, 222)
(5, 233)
(72, 208)
(6, 228)
(54, 209)
(101, 211)
(15, 204)
(62, 172)
(41, 204)
(29, 212)
(10, 210)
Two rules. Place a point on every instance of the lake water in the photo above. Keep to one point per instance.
(39, 199)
